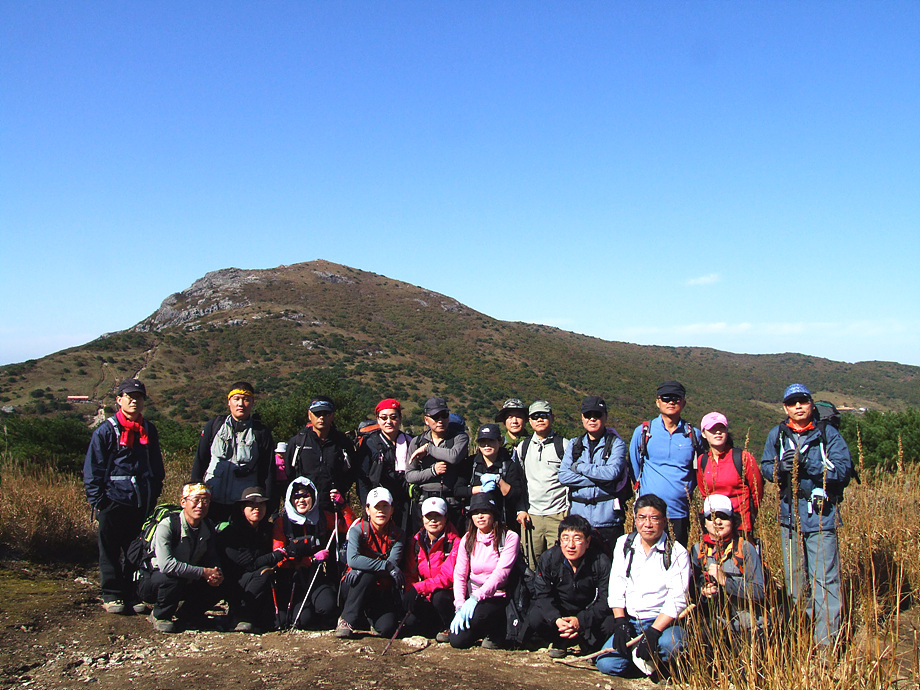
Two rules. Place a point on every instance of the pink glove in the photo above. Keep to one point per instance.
(338, 499)
(321, 555)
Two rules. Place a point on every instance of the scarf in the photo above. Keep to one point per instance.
(313, 515)
(234, 442)
(131, 430)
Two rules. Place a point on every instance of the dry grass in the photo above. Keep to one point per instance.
(44, 517)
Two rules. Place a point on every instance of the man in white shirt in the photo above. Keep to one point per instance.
(647, 592)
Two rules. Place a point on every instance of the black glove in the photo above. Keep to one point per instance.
(648, 646)
(279, 555)
(787, 460)
(397, 574)
(299, 548)
(622, 631)
(409, 599)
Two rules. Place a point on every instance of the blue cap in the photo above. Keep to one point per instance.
(796, 389)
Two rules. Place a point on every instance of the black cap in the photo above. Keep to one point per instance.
(435, 406)
(672, 388)
(132, 386)
(481, 501)
(490, 431)
(253, 494)
(594, 403)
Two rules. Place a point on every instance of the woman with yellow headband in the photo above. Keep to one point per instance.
(235, 452)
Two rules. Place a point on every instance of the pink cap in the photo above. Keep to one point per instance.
(712, 419)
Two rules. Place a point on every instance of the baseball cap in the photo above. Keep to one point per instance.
(435, 406)
(593, 403)
(435, 504)
(377, 495)
(132, 386)
(717, 503)
(540, 406)
(253, 494)
(322, 404)
(388, 404)
(672, 388)
(712, 419)
(796, 389)
(489, 431)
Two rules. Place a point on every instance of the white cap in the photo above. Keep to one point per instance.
(377, 495)
(717, 503)
(435, 504)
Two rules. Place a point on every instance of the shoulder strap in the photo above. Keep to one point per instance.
(738, 460)
(628, 551)
(559, 445)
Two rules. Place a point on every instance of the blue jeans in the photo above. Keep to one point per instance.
(822, 561)
(671, 642)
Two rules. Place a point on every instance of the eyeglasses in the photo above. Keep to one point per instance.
(653, 519)
(540, 415)
(199, 500)
(798, 400)
(718, 515)
(440, 416)
(593, 415)
(388, 417)
(670, 398)
(572, 539)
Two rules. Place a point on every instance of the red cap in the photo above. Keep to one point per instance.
(388, 404)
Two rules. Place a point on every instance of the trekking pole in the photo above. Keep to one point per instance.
(310, 588)
(398, 630)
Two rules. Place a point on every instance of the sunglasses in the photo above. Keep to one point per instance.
(440, 416)
(718, 515)
(670, 398)
(540, 415)
(593, 415)
(798, 400)
(301, 496)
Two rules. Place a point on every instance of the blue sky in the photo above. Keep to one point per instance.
(737, 175)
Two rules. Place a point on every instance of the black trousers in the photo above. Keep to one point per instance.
(375, 599)
(249, 595)
(488, 620)
(589, 640)
(168, 591)
(118, 526)
(429, 617)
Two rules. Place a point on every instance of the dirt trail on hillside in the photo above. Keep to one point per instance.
(55, 635)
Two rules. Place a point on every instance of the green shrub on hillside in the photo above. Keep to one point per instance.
(881, 433)
(64, 439)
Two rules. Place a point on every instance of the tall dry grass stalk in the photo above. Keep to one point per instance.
(880, 565)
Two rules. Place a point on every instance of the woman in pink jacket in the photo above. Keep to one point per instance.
(429, 597)
(484, 563)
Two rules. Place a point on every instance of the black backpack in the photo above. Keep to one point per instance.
(558, 444)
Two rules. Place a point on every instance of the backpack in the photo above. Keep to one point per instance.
(737, 460)
(834, 489)
(827, 412)
(519, 591)
(140, 551)
(624, 488)
(628, 552)
(643, 447)
(365, 429)
(558, 444)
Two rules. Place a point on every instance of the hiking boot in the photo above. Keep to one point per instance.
(141, 607)
(343, 630)
(442, 637)
(489, 643)
(244, 627)
(558, 652)
(116, 606)
(162, 625)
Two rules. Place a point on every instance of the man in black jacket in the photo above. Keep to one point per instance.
(235, 452)
(323, 454)
(570, 597)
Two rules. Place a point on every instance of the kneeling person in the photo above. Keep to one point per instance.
(185, 563)
(570, 598)
(648, 590)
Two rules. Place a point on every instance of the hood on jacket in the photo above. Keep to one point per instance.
(313, 515)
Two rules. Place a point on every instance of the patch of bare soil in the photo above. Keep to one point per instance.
(55, 634)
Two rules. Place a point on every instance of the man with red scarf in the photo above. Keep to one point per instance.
(123, 476)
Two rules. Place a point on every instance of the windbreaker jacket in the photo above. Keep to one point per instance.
(594, 481)
(228, 481)
(431, 566)
(330, 464)
(827, 468)
(127, 476)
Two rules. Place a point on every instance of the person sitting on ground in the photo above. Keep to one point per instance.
(484, 564)
(727, 571)
(383, 456)
(235, 452)
(323, 454)
(373, 586)
(432, 555)
(514, 416)
(185, 568)
(493, 471)
(717, 472)
(435, 458)
(304, 537)
(123, 477)
(248, 562)
(570, 591)
(647, 592)
(596, 471)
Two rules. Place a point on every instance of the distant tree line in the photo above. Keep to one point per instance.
(880, 434)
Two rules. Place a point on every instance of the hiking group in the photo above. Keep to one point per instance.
(521, 540)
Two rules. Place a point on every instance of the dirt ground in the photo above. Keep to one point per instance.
(54, 634)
